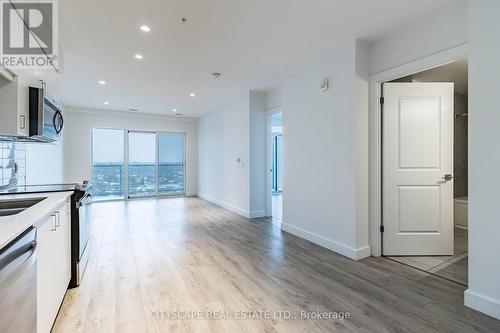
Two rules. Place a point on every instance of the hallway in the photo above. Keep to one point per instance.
(278, 206)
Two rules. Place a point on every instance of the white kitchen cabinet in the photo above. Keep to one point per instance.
(14, 105)
(53, 266)
(14, 99)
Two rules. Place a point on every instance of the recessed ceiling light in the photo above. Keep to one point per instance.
(192, 95)
(133, 109)
(106, 103)
(216, 75)
(174, 110)
(145, 28)
(138, 56)
(101, 82)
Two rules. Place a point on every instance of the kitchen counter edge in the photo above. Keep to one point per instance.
(13, 226)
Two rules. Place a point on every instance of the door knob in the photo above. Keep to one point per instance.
(447, 177)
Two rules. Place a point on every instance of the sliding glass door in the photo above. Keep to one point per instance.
(142, 164)
(171, 163)
(134, 164)
(108, 163)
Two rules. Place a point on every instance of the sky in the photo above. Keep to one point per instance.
(108, 146)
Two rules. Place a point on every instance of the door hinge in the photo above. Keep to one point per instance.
(381, 228)
(382, 100)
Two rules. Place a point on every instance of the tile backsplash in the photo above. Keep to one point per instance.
(12, 164)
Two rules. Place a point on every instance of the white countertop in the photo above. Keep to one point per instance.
(13, 226)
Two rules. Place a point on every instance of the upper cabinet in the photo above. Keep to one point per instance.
(30, 53)
(14, 99)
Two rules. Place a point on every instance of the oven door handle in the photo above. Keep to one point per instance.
(83, 201)
(21, 269)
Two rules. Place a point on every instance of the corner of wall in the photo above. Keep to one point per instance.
(361, 138)
(482, 303)
(273, 99)
(258, 150)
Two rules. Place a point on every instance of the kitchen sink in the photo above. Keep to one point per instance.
(15, 206)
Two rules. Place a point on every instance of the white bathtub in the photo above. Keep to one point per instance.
(461, 211)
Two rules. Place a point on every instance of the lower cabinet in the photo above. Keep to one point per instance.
(53, 266)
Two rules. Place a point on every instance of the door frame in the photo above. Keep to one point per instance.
(275, 163)
(375, 130)
(269, 159)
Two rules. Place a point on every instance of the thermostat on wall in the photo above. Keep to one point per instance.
(324, 84)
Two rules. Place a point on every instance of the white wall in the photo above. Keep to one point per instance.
(77, 139)
(434, 33)
(235, 131)
(484, 158)
(325, 134)
(274, 99)
(44, 162)
(258, 150)
(361, 137)
(223, 138)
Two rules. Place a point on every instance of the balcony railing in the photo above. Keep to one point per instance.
(109, 180)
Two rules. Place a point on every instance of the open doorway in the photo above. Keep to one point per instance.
(276, 163)
(424, 171)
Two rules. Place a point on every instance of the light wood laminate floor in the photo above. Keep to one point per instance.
(186, 254)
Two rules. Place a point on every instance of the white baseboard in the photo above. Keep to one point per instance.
(191, 194)
(228, 206)
(355, 254)
(482, 303)
(257, 214)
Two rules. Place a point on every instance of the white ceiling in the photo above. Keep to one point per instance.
(255, 44)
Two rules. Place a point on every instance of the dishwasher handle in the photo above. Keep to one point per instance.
(22, 268)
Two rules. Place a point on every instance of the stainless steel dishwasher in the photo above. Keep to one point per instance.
(18, 284)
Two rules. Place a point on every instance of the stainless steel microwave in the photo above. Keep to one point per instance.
(45, 116)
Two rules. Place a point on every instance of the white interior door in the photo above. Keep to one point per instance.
(418, 168)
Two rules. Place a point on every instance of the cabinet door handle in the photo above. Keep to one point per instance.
(58, 219)
(54, 228)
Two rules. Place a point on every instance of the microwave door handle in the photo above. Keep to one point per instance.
(54, 121)
(57, 121)
(61, 119)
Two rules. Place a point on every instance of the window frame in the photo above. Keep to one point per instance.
(126, 195)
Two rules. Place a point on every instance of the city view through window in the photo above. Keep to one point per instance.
(155, 163)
